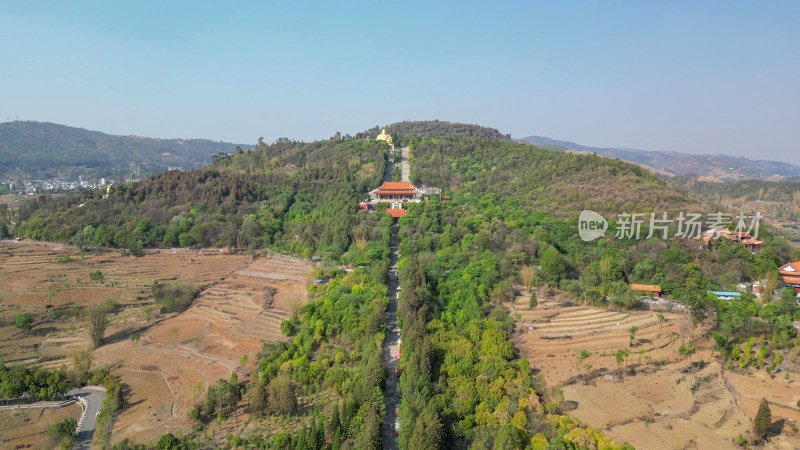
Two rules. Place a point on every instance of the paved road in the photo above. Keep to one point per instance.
(387, 176)
(390, 349)
(93, 396)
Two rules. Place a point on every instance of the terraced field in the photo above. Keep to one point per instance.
(47, 279)
(559, 331)
(206, 342)
(653, 399)
(242, 306)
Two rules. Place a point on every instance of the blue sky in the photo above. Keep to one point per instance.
(696, 77)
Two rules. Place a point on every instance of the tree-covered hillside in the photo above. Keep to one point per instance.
(402, 131)
(511, 219)
(522, 203)
(562, 183)
(40, 150)
(290, 196)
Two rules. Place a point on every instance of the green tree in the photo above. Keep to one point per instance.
(553, 266)
(61, 434)
(619, 358)
(632, 330)
(24, 322)
(686, 351)
(763, 419)
(720, 343)
(509, 437)
(371, 434)
(168, 442)
(533, 301)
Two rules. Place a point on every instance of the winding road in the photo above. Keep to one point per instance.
(91, 398)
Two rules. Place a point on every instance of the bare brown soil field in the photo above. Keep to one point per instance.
(206, 342)
(242, 306)
(29, 272)
(658, 402)
(26, 428)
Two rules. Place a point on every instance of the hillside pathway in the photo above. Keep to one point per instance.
(391, 349)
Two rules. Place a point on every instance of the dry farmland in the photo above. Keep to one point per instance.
(652, 399)
(241, 306)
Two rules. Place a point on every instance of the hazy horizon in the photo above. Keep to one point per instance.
(715, 78)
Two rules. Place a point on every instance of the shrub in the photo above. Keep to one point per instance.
(24, 321)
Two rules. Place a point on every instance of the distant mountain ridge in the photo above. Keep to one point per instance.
(720, 167)
(43, 150)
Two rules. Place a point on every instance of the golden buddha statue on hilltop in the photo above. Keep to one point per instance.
(385, 137)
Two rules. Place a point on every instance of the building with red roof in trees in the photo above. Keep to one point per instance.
(790, 274)
(396, 213)
(396, 191)
(652, 290)
(742, 237)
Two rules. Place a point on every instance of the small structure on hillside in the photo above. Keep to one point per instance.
(742, 237)
(790, 274)
(652, 290)
(727, 295)
(396, 212)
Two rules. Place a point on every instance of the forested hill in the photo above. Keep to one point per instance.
(435, 128)
(290, 196)
(41, 150)
(562, 184)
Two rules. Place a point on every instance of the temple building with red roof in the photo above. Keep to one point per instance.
(396, 192)
(790, 274)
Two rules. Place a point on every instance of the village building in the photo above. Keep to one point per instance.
(742, 237)
(790, 274)
(727, 295)
(651, 290)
